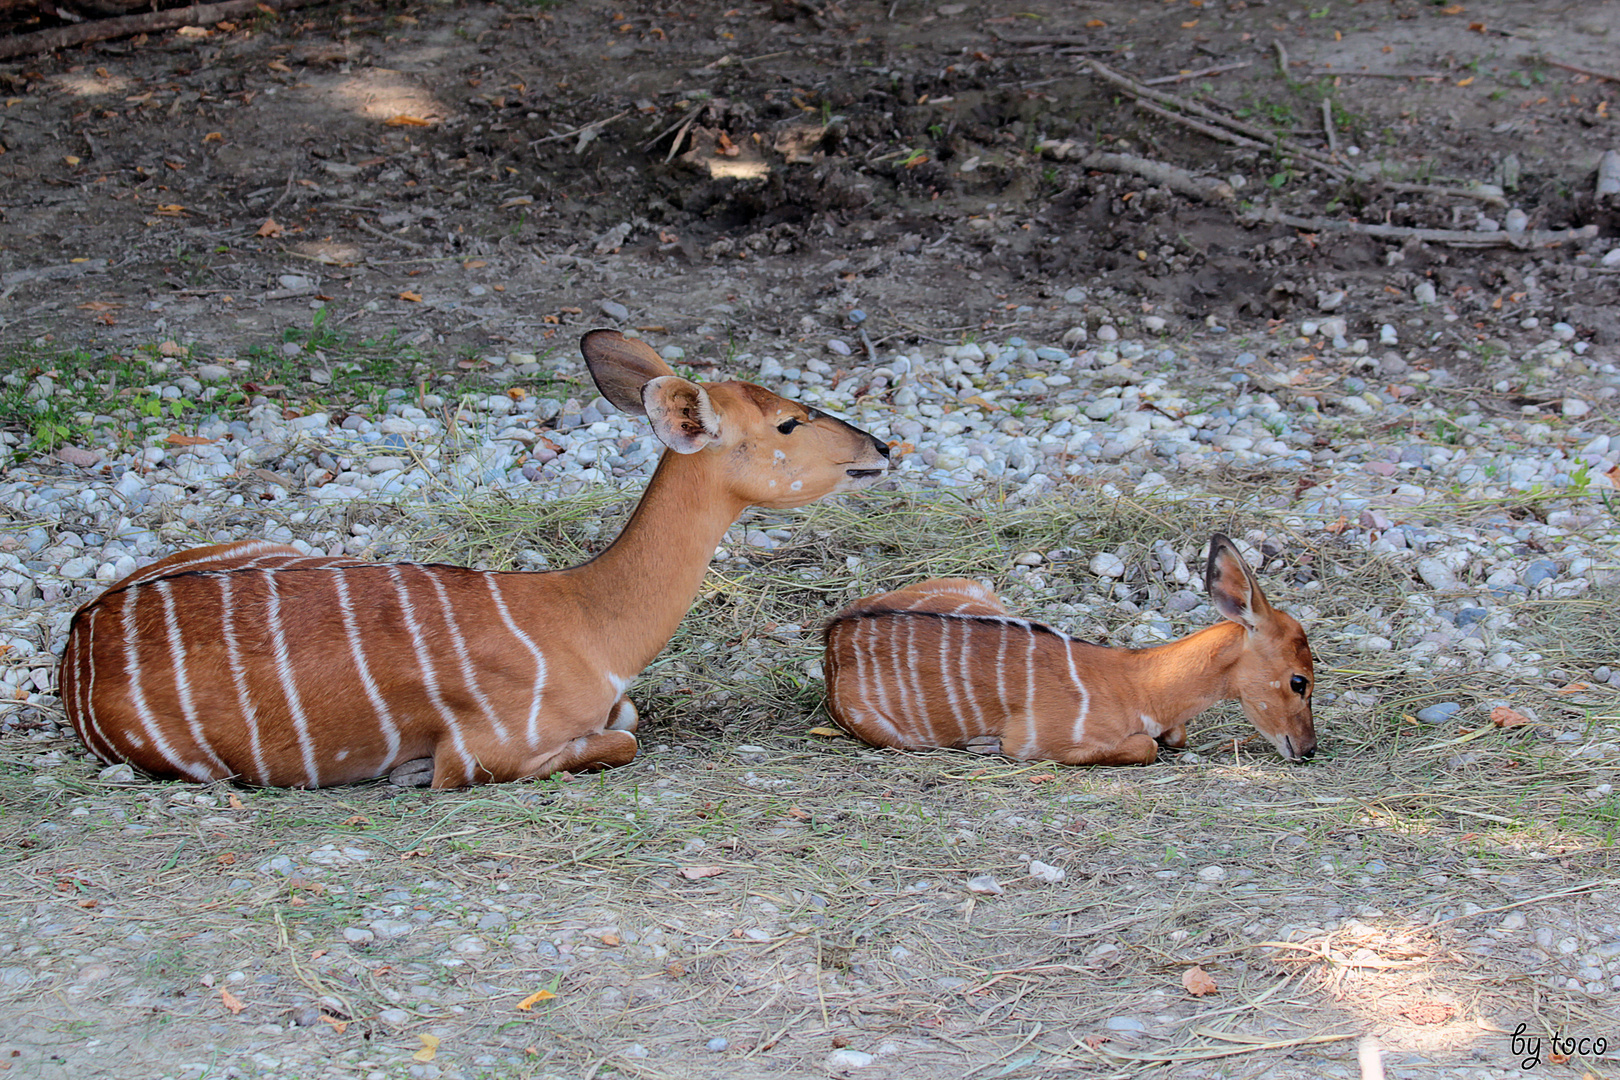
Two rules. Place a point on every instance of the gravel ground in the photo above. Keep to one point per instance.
(1470, 507)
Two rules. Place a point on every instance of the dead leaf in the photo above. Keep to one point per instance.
(99, 305)
(430, 1047)
(610, 940)
(226, 858)
(270, 228)
(827, 732)
(194, 32)
(1430, 1012)
(415, 298)
(407, 121)
(231, 1001)
(797, 814)
(71, 159)
(177, 439)
(535, 998)
(693, 873)
(1041, 777)
(1094, 1041)
(339, 1026)
(516, 393)
(277, 65)
(356, 819)
(1502, 716)
(474, 264)
(1197, 982)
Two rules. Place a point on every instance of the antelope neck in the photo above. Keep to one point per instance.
(633, 595)
(1170, 683)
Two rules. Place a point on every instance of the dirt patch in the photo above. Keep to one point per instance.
(764, 170)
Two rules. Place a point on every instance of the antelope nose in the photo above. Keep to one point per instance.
(880, 446)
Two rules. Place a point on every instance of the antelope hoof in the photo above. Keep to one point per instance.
(417, 772)
(983, 744)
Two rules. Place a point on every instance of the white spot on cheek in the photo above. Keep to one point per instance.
(773, 483)
(797, 485)
(780, 457)
(1275, 683)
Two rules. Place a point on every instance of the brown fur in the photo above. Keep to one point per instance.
(941, 663)
(596, 626)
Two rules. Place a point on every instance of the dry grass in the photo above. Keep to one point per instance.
(1354, 894)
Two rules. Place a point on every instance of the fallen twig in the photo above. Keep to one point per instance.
(1329, 73)
(604, 122)
(1327, 127)
(1588, 72)
(1172, 177)
(63, 37)
(1531, 238)
(366, 226)
(1227, 129)
(1183, 76)
(1219, 134)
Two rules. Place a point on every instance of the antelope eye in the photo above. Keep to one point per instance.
(786, 427)
(1299, 684)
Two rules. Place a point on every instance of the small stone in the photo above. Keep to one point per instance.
(1438, 713)
(122, 773)
(1107, 565)
(839, 346)
(1153, 324)
(78, 457)
(986, 885)
(1107, 333)
(1330, 300)
(358, 935)
(848, 1059)
(1046, 872)
(1124, 1023)
(613, 310)
(1424, 292)
(1540, 570)
(716, 1045)
(1437, 575)
(1572, 407)
(1212, 873)
(1029, 558)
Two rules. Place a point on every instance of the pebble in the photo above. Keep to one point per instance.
(848, 1059)
(1438, 713)
(1107, 565)
(1045, 872)
(613, 310)
(985, 884)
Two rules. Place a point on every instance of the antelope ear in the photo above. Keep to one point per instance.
(620, 367)
(682, 416)
(1233, 588)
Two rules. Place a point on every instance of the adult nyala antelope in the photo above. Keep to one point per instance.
(942, 664)
(253, 662)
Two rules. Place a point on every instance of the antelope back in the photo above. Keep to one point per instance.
(941, 663)
(255, 662)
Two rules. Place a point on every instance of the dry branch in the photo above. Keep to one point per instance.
(1227, 129)
(63, 37)
(1172, 177)
(1469, 238)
